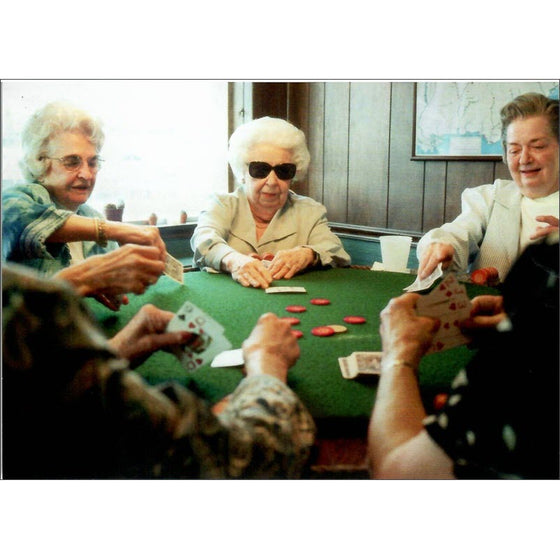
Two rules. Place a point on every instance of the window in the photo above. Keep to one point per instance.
(165, 140)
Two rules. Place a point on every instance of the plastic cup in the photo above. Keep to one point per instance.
(394, 252)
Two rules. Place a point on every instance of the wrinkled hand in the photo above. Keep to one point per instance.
(432, 256)
(404, 334)
(145, 334)
(287, 263)
(544, 231)
(127, 233)
(271, 348)
(487, 312)
(247, 270)
(129, 269)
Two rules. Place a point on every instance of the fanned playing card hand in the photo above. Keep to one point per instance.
(209, 340)
(449, 303)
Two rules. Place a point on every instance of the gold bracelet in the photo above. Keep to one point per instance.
(101, 235)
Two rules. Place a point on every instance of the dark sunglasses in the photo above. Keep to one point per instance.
(261, 170)
(74, 162)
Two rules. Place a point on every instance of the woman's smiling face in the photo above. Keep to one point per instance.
(70, 188)
(532, 156)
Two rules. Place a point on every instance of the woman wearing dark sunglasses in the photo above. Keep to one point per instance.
(47, 224)
(264, 231)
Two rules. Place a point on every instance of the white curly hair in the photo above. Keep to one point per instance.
(44, 125)
(268, 130)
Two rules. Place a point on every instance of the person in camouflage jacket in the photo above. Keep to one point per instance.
(74, 409)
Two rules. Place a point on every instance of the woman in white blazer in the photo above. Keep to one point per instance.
(499, 220)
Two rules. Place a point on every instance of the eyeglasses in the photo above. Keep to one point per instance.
(75, 162)
(261, 170)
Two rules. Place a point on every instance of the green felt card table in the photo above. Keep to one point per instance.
(341, 407)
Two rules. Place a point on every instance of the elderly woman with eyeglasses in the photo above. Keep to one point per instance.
(264, 231)
(47, 224)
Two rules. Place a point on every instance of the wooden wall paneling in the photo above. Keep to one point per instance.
(298, 115)
(461, 175)
(435, 173)
(270, 99)
(315, 139)
(240, 99)
(335, 163)
(501, 171)
(240, 102)
(360, 139)
(406, 177)
(298, 101)
(370, 105)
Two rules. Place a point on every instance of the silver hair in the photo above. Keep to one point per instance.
(47, 123)
(268, 130)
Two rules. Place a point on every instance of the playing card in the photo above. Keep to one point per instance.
(368, 362)
(209, 341)
(230, 358)
(426, 283)
(448, 287)
(442, 343)
(285, 289)
(189, 317)
(197, 356)
(449, 303)
(360, 363)
(173, 268)
(346, 368)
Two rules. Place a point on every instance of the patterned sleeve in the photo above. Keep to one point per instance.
(271, 432)
(74, 410)
(501, 416)
(29, 217)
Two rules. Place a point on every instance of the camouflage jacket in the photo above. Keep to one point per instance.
(73, 409)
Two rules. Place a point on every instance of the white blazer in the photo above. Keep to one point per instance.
(486, 233)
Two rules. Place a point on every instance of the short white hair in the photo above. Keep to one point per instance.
(268, 130)
(47, 123)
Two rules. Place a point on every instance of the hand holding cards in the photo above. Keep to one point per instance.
(450, 304)
(426, 283)
(209, 341)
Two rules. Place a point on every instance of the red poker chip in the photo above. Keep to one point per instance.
(439, 401)
(485, 276)
(296, 308)
(297, 333)
(354, 319)
(290, 320)
(322, 331)
(319, 301)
